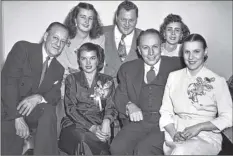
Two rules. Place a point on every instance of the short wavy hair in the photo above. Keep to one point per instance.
(196, 37)
(96, 30)
(127, 5)
(170, 19)
(93, 47)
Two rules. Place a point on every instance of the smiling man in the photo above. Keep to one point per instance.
(31, 80)
(120, 38)
(138, 98)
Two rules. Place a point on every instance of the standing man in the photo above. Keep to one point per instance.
(120, 38)
(31, 80)
(138, 98)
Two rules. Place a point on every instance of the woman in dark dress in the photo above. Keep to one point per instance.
(88, 104)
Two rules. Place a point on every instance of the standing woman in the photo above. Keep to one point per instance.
(88, 104)
(84, 26)
(196, 105)
(173, 31)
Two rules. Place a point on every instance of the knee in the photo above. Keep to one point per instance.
(144, 148)
(179, 150)
(117, 147)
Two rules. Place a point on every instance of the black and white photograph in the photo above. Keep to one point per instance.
(116, 77)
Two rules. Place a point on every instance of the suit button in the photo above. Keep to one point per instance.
(22, 84)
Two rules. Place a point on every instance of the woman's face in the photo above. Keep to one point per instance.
(194, 53)
(88, 61)
(173, 33)
(85, 20)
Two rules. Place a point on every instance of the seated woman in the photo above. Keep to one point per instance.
(173, 31)
(88, 104)
(196, 105)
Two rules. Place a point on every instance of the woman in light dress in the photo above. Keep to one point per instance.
(196, 105)
(173, 31)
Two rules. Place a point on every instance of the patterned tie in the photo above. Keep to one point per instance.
(122, 49)
(150, 75)
(44, 69)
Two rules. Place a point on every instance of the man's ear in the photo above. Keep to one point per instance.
(139, 51)
(45, 36)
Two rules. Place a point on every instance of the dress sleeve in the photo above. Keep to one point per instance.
(166, 110)
(110, 110)
(70, 102)
(224, 106)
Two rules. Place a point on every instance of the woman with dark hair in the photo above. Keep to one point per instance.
(196, 105)
(84, 26)
(88, 104)
(172, 31)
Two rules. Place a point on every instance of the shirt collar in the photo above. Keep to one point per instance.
(118, 34)
(44, 54)
(156, 67)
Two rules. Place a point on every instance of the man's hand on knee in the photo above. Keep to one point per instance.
(21, 127)
(134, 112)
(26, 106)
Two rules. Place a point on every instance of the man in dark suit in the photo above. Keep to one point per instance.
(139, 95)
(31, 80)
(120, 38)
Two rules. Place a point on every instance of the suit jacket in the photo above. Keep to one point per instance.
(112, 59)
(131, 77)
(21, 75)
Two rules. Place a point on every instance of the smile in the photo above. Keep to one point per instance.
(88, 67)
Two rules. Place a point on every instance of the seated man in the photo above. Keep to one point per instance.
(31, 80)
(139, 96)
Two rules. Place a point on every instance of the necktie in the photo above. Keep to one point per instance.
(122, 49)
(44, 69)
(150, 75)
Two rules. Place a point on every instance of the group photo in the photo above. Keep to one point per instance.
(116, 78)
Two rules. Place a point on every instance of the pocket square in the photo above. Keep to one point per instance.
(55, 82)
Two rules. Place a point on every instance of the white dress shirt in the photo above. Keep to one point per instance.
(128, 39)
(147, 68)
(44, 55)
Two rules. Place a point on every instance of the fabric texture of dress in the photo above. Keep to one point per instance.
(82, 112)
(189, 100)
(174, 53)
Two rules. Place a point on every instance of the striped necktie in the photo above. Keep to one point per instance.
(44, 69)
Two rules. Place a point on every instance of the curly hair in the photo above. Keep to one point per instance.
(93, 47)
(170, 19)
(96, 30)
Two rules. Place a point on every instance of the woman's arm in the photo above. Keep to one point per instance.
(166, 121)
(70, 102)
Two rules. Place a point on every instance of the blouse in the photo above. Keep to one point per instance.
(80, 107)
(174, 53)
(189, 100)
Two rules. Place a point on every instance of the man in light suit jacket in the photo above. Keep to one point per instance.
(138, 98)
(31, 80)
(125, 25)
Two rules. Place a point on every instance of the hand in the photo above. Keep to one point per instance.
(101, 135)
(28, 104)
(191, 131)
(135, 113)
(178, 137)
(21, 127)
(105, 128)
(72, 70)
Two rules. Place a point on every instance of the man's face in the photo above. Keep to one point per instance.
(55, 40)
(126, 21)
(149, 48)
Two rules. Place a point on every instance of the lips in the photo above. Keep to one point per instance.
(192, 62)
(86, 26)
(88, 67)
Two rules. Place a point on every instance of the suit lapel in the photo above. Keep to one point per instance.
(35, 61)
(49, 76)
(138, 78)
(160, 78)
